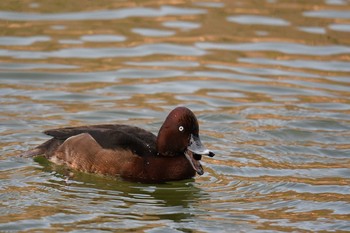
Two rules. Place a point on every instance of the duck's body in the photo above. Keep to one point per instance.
(130, 152)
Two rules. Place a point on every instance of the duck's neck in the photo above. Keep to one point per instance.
(170, 168)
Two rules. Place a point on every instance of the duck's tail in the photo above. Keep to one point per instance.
(32, 152)
(46, 149)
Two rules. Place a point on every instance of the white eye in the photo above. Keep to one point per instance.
(181, 128)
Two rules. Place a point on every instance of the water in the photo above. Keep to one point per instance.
(268, 80)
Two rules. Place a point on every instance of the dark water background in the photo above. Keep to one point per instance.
(268, 80)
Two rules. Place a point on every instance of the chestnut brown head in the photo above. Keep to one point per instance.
(179, 136)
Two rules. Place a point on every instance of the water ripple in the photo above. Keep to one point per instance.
(336, 14)
(93, 53)
(184, 25)
(32, 66)
(103, 38)
(341, 66)
(302, 173)
(13, 40)
(101, 15)
(282, 47)
(152, 32)
(256, 19)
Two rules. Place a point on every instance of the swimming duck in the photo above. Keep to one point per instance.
(128, 151)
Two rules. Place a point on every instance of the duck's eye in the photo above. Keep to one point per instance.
(181, 128)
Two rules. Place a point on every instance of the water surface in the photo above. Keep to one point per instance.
(268, 80)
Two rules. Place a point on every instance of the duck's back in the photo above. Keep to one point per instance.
(112, 137)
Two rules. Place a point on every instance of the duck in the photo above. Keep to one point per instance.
(130, 152)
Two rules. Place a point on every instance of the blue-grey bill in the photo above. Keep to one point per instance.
(197, 147)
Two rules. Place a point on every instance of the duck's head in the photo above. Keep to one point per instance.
(179, 135)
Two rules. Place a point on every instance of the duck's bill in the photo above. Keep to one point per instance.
(197, 147)
(194, 153)
(194, 161)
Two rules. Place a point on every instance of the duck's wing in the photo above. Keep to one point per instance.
(114, 137)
